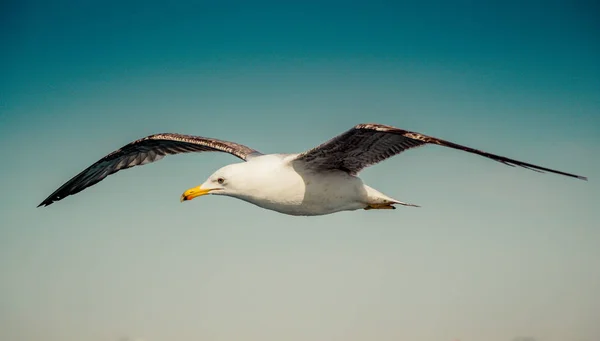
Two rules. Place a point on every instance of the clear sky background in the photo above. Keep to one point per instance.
(495, 253)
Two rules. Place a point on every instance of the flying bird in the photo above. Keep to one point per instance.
(322, 180)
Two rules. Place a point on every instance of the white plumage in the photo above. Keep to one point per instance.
(276, 183)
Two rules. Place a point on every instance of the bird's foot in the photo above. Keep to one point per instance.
(380, 207)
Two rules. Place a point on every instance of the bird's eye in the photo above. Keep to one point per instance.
(220, 180)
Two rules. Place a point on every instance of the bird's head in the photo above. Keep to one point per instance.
(221, 182)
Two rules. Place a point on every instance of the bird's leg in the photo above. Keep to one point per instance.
(380, 207)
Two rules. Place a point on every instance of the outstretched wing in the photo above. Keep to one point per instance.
(143, 151)
(368, 144)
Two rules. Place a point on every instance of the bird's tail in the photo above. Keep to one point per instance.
(376, 198)
(405, 204)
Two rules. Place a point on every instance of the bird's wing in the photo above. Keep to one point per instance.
(368, 144)
(146, 150)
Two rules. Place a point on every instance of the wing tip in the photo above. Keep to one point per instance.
(539, 169)
(47, 202)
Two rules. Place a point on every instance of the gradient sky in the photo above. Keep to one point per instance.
(495, 253)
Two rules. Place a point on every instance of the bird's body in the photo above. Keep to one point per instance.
(322, 180)
(275, 182)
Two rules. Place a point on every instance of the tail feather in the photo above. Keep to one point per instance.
(376, 198)
(406, 204)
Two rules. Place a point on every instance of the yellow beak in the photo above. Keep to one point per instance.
(194, 192)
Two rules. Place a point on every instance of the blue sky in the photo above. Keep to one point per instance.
(494, 253)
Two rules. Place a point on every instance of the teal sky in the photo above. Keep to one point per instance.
(495, 253)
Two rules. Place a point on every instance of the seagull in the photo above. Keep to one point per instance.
(319, 181)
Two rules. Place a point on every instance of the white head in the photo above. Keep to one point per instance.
(228, 180)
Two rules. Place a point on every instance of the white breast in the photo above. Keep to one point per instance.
(272, 182)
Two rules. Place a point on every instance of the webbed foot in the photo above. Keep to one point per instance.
(380, 207)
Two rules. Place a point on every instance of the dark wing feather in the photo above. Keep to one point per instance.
(143, 151)
(368, 144)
